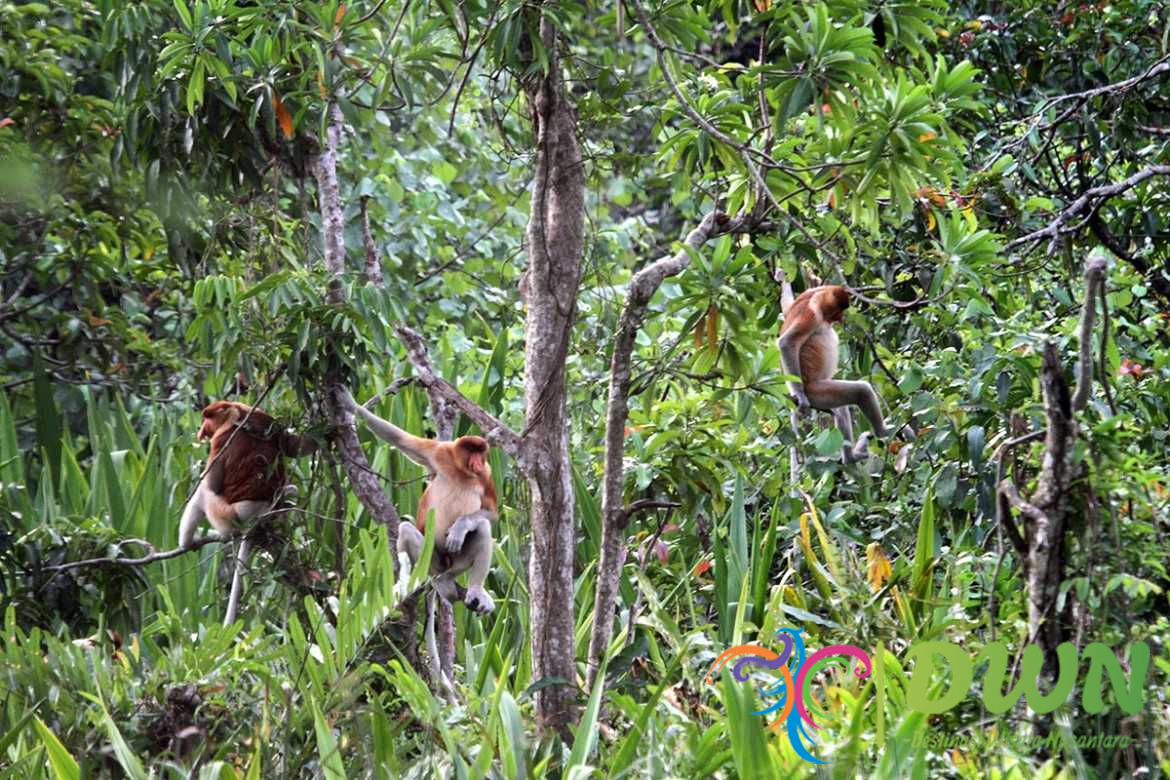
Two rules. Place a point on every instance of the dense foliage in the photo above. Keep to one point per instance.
(161, 247)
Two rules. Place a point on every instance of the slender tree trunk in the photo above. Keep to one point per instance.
(614, 514)
(329, 202)
(373, 265)
(1041, 544)
(362, 478)
(555, 242)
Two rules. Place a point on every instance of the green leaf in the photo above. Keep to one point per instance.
(328, 753)
(63, 765)
(48, 420)
(585, 741)
(829, 441)
(444, 171)
(184, 15)
(127, 759)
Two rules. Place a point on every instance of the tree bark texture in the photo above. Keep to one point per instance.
(373, 264)
(365, 482)
(614, 516)
(555, 243)
(329, 201)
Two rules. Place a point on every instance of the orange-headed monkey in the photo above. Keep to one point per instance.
(808, 349)
(462, 497)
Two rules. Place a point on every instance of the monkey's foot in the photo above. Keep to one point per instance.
(860, 450)
(478, 601)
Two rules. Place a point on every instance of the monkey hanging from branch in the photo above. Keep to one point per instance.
(809, 350)
(459, 502)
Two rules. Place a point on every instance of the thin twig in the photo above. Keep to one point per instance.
(643, 504)
(1003, 517)
(1054, 229)
(144, 560)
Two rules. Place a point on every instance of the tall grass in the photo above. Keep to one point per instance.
(127, 672)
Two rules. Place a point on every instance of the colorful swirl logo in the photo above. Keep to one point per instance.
(795, 706)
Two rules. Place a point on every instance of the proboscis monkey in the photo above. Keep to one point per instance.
(461, 496)
(808, 349)
(243, 477)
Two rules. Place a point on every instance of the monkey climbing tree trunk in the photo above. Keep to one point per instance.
(555, 241)
(615, 515)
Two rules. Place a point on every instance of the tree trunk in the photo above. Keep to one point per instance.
(555, 241)
(362, 478)
(1045, 513)
(614, 515)
(329, 201)
(373, 265)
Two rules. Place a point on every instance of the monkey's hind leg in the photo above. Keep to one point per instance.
(242, 510)
(469, 542)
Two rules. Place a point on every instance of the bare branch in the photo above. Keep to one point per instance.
(14, 313)
(1090, 197)
(1094, 279)
(643, 504)
(373, 266)
(363, 479)
(1158, 68)
(149, 558)
(493, 429)
(1003, 504)
(1008, 490)
(389, 390)
(614, 515)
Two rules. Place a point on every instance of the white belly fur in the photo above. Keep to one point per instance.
(826, 338)
(452, 500)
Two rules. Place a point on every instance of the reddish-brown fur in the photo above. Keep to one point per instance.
(464, 463)
(831, 301)
(252, 463)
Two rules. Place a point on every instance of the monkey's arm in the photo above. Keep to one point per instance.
(295, 446)
(203, 501)
(469, 541)
(192, 514)
(417, 449)
(791, 340)
(786, 297)
(213, 475)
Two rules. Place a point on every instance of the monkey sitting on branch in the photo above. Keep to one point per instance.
(243, 478)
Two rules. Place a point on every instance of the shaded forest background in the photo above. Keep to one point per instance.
(576, 215)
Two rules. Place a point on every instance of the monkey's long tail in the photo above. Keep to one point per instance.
(437, 672)
(237, 581)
